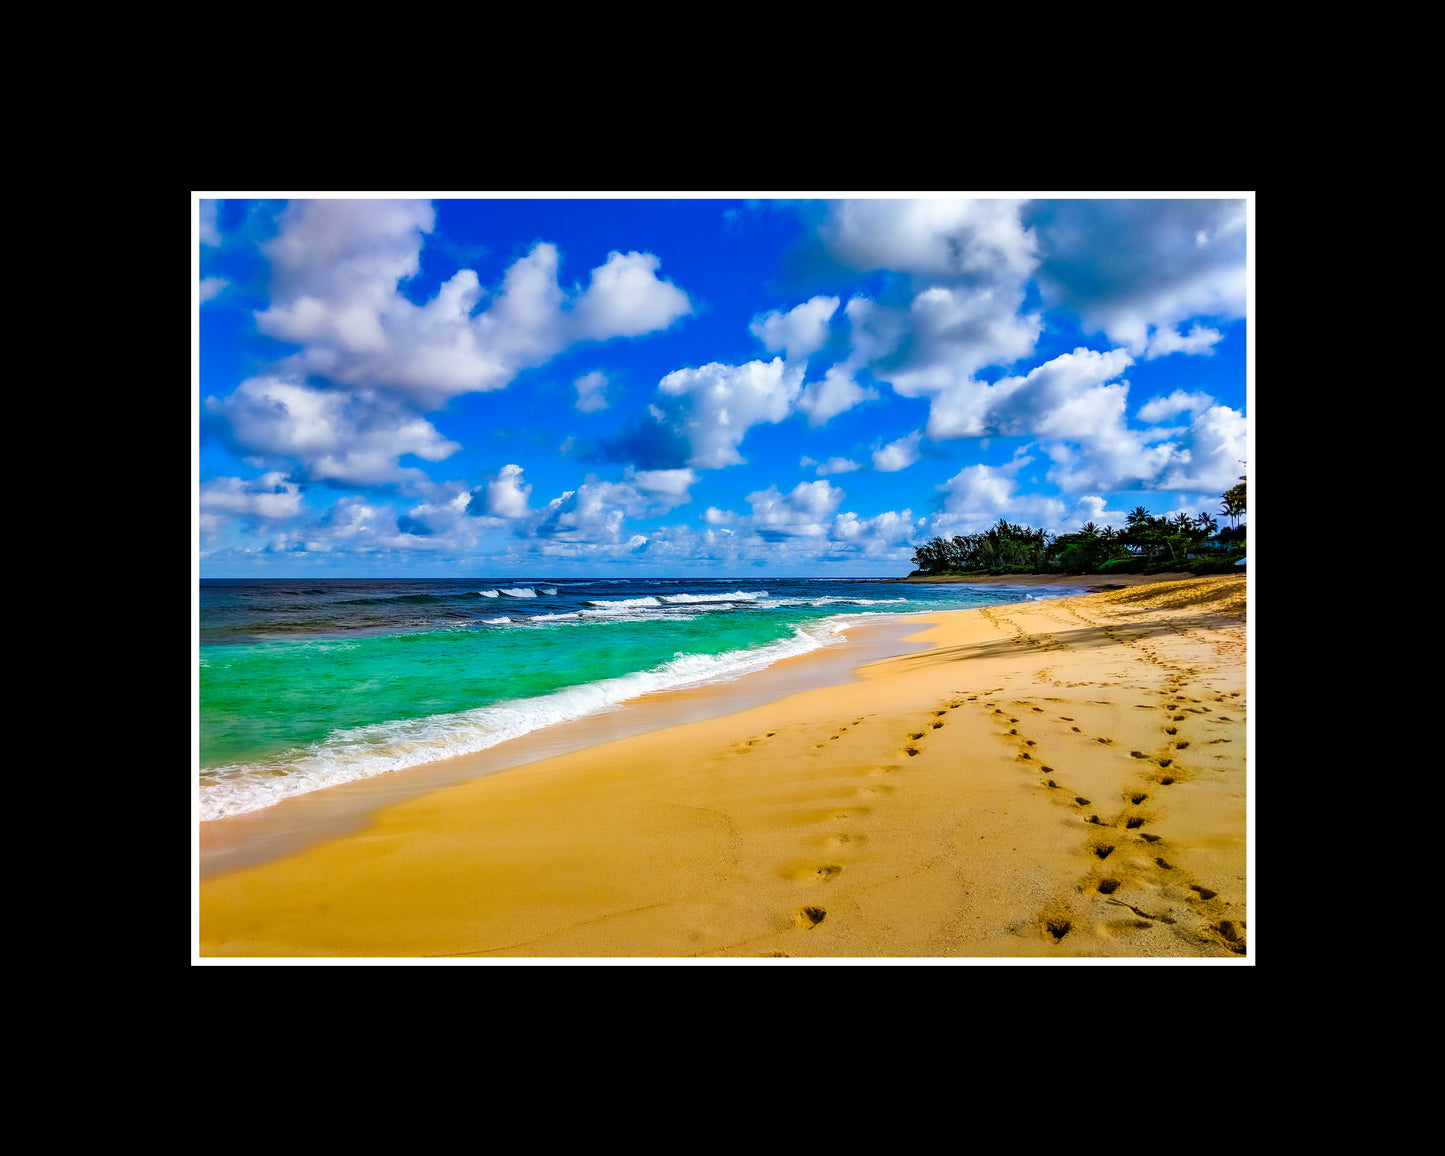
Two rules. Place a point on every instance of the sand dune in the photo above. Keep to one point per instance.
(1058, 779)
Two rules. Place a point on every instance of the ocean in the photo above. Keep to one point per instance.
(308, 683)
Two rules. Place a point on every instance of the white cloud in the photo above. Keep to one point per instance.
(1217, 447)
(800, 332)
(647, 492)
(1158, 409)
(833, 466)
(337, 271)
(507, 495)
(803, 512)
(1199, 339)
(982, 241)
(353, 438)
(269, 496)
(954, 332)
(977, 496)
(445, 514)
(836, 393)
(211, 287)
(596, 511)
(890, 528)
(719, 403)
(1129, 267)
(1066, 396)
(897, 455)
(591, 392)
(626, 299)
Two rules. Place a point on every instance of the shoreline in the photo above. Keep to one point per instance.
(894, 815)
(1090, 582)
(305, 820)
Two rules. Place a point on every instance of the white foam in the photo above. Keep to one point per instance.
(735, 596)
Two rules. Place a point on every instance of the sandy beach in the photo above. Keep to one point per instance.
(1055, 780)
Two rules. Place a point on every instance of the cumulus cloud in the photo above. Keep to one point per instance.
(1066, 396)
(340, 436)
(1214, 448)
(798, 333)
(978, 495)
(626, 299)
(596, 511)
(946, 335)
(977, 241)
(1135, 270)
(802, 513)
(211, 287)
(897, 455)
(448, 511)
(270, 496)
(717, 404)
(890, 528)
(507, 494)
(1199, 340)
(836, 393)
(1159, 409)
(337, 272)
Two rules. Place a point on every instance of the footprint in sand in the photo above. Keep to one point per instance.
(809, 917)
(1232, 933)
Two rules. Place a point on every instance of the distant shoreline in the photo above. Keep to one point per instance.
(1089, 582)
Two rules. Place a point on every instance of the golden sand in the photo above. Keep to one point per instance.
(1058, 779)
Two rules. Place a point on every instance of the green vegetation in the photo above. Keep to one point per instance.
(1146, 545)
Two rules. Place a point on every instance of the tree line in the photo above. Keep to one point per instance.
(1198, 543)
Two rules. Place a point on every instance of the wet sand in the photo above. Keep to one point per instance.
(1061, 779)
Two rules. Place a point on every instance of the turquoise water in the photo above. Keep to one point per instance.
(309, 683)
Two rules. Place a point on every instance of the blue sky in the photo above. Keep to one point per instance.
(558, 386)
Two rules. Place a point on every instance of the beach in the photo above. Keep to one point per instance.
(1062, 779)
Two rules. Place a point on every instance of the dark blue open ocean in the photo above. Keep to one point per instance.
(311, 682)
